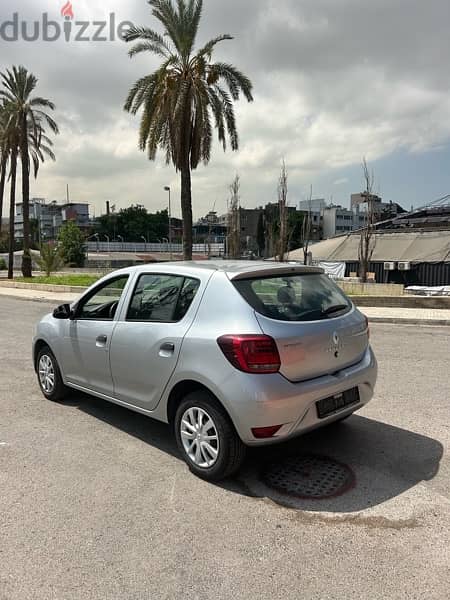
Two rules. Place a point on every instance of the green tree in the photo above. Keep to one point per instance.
(184, 96)
(26, 116)
(50, 259)
(72, 244)
(133, 223)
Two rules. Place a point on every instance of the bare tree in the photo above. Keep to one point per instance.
(306, 229)
(282, 204)
(234, 219)
(367, 239)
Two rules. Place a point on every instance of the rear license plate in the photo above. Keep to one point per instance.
(334, 404)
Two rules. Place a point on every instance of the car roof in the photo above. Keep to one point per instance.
(234, 269)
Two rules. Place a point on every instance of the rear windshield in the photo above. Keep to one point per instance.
(303, 297)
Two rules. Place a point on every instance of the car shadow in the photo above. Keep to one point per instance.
(386, 460)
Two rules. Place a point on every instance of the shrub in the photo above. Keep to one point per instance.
(50, 258)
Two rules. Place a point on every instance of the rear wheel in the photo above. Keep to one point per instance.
(49, 376)
(206, 437)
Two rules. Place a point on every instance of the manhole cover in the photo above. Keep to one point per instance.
(309, 477)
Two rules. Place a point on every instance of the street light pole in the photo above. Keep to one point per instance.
(167, 189)
(145, 242)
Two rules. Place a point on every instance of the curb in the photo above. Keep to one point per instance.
(406, 321)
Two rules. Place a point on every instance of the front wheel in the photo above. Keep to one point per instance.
(49, 376)
(206, 437)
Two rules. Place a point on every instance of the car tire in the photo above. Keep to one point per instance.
(206, 437)
(49, 376)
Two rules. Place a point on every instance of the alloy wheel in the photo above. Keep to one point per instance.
(46, 374)
(199, 437)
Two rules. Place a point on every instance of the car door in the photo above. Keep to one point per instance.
(146, 343)
(88, 337)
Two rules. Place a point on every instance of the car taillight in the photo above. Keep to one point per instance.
(263, 433)
(251, 353)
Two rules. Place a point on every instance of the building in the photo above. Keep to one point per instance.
(209, 229)
(76, 212)
(409, 257)
(49, 217)
(363, 198)
(435, 216)
(381, 210)
(337, 220)
(316, 205)
(249, 219)
(413, 248)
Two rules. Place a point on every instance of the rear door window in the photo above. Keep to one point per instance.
(302, 297)
(162, 298)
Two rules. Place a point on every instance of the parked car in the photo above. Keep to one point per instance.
(230, 354)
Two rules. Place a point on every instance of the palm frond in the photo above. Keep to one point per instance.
(209, 47)
(235, 80)
(188, 96)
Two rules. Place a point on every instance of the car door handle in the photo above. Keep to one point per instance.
(166, 350)
(168, 347)
(101, 341)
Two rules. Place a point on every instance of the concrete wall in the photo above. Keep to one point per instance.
(435, 302)
(371, 289)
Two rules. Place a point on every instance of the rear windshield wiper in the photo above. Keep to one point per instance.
(332, 309)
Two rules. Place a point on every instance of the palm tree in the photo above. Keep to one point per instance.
(180, 99)
(4, 155)
(11, 147)
(26, 116)
(39, 146)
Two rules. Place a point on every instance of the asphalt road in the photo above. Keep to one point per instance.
(95, 503)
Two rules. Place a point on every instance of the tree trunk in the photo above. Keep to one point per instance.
(3, 167)
(186, 210)
(12, 208)
(26, 259)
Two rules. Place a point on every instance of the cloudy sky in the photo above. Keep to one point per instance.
(334, 80)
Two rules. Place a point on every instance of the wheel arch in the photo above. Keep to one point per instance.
(38, 345)
(181, 390)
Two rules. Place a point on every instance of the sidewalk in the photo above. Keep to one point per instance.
(38, 296)
(406, 316)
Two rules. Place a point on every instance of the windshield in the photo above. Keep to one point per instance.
(303, 297)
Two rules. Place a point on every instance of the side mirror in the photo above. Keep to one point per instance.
(63, 312)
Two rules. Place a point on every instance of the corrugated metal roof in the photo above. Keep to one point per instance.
(412, 246)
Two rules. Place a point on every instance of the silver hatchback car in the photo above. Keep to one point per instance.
(231, 354)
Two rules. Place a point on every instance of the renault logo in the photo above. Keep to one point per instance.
(335, 339)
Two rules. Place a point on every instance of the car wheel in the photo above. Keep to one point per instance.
(49, 376)
(206, 437)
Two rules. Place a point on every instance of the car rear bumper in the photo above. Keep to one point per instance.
(265, 401)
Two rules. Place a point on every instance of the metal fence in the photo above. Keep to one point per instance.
(141, 248)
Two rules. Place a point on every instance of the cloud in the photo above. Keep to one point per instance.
(334, 81)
